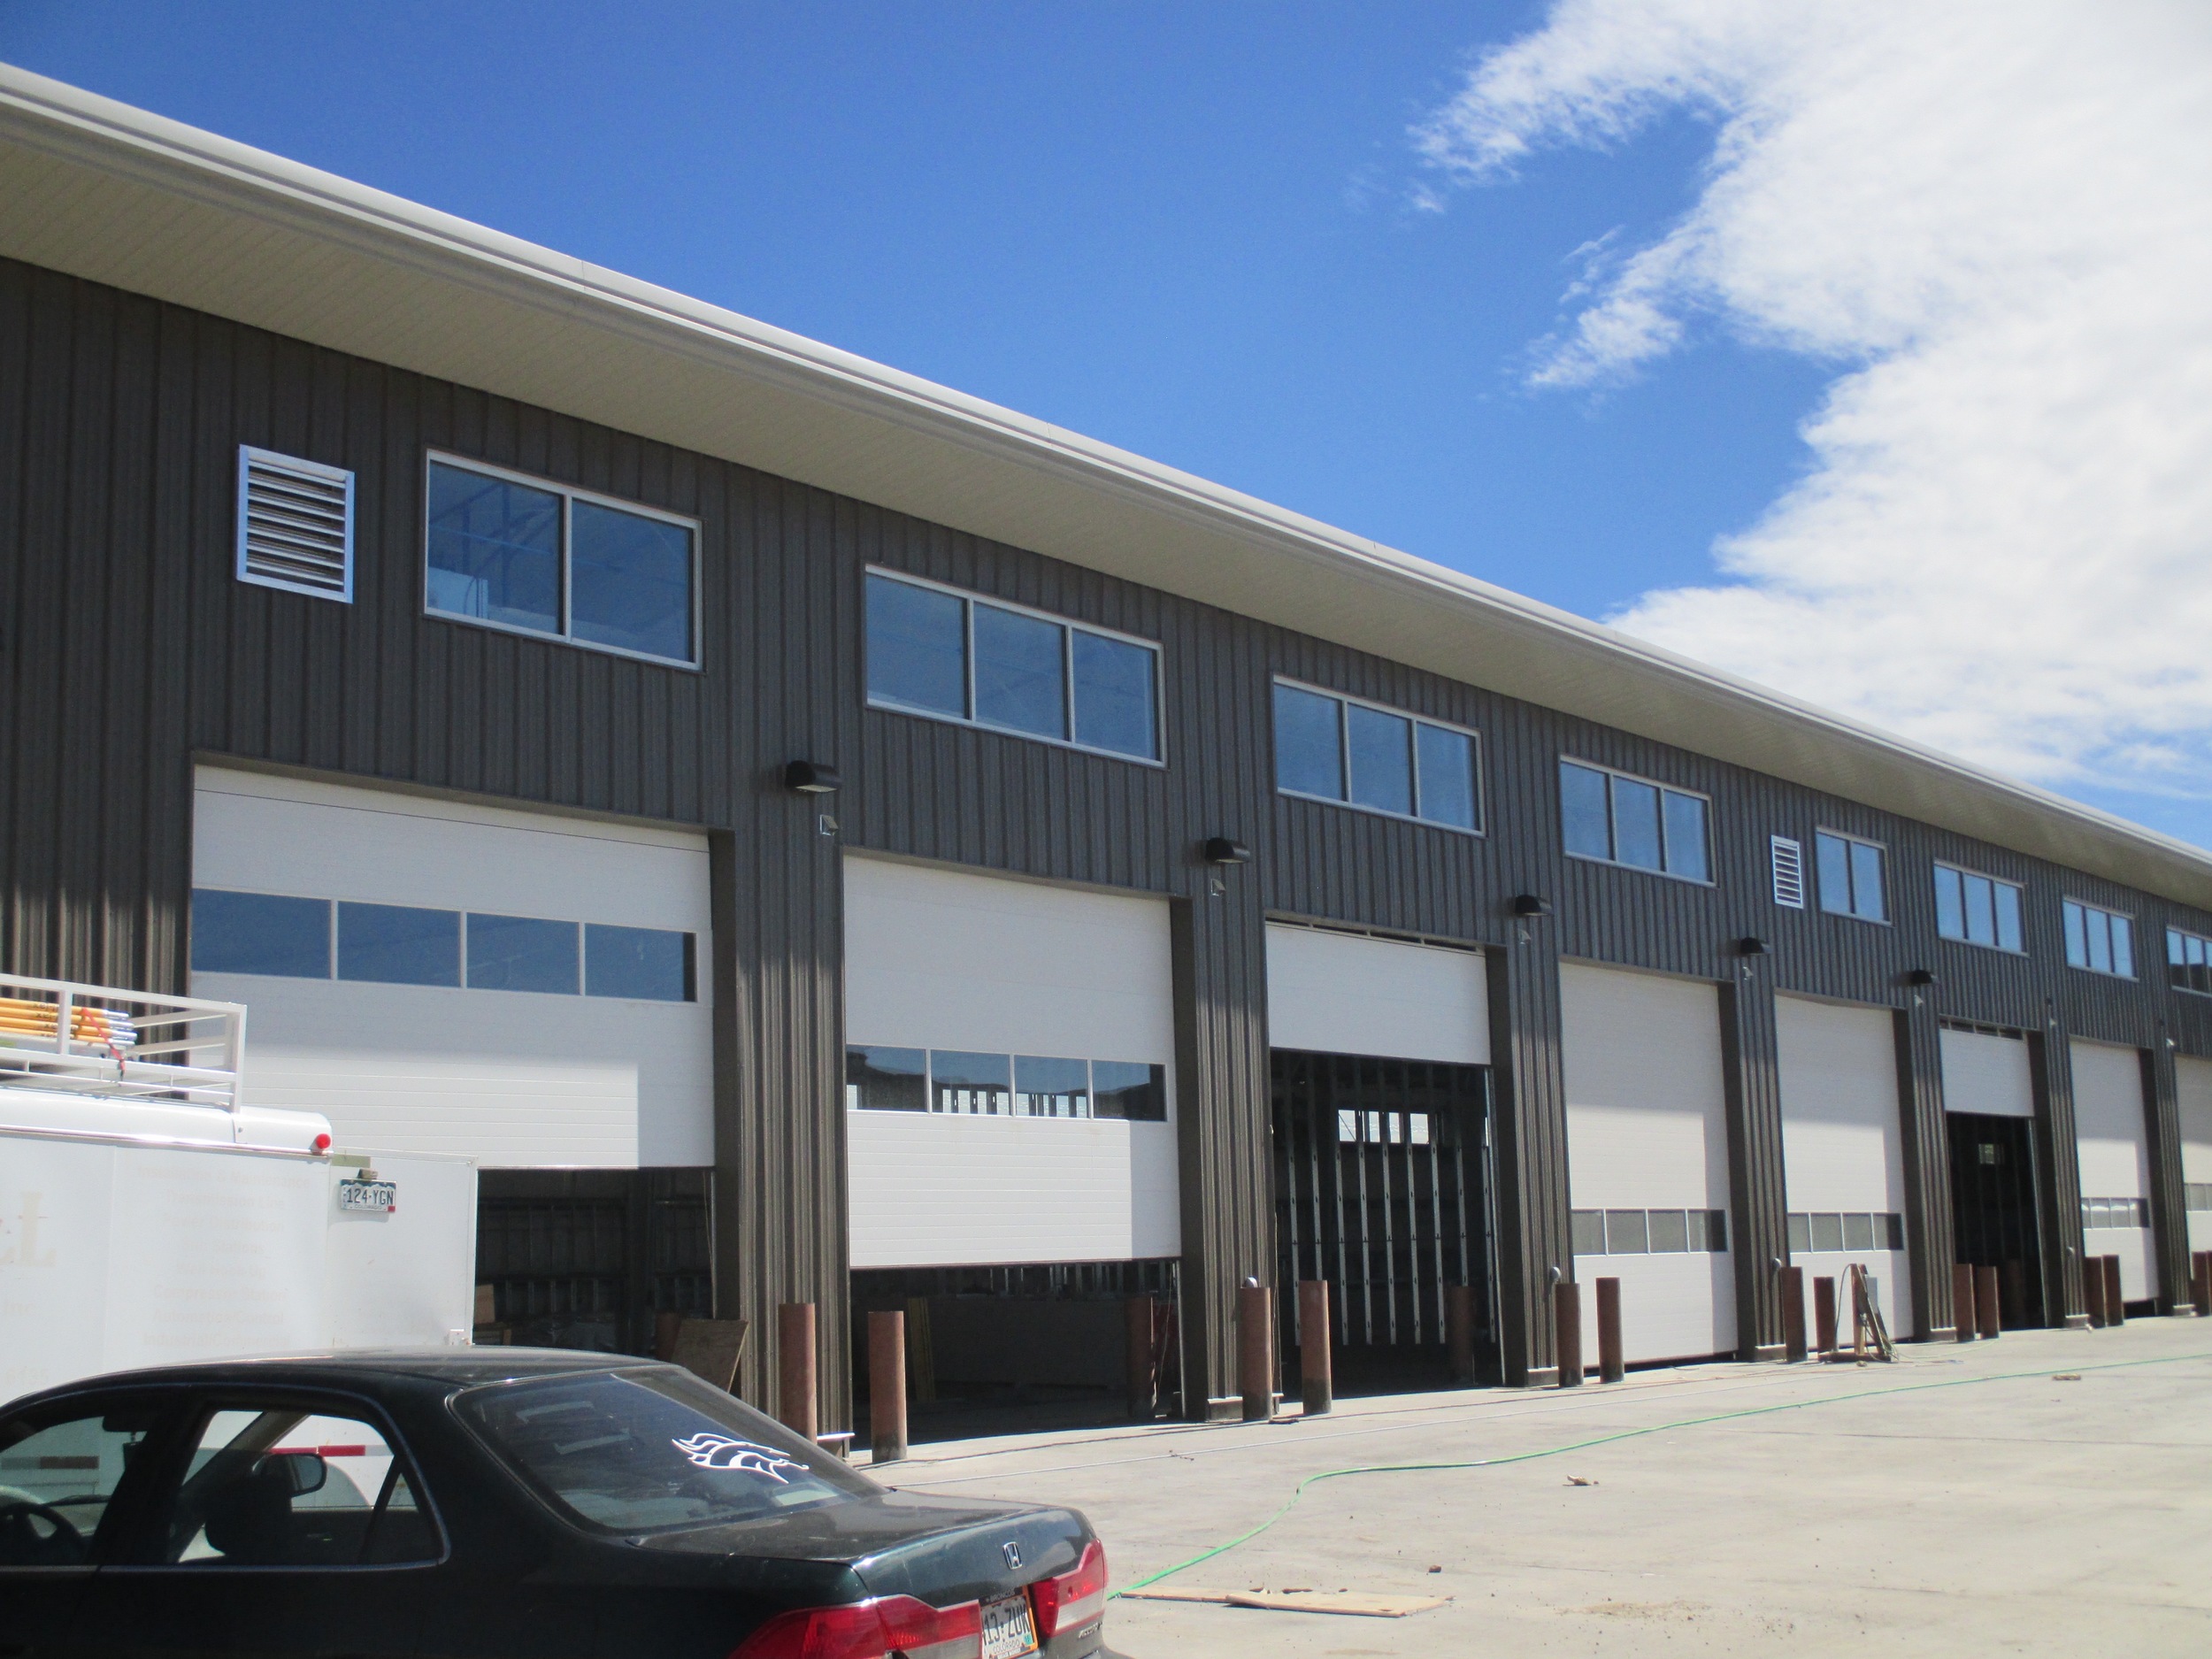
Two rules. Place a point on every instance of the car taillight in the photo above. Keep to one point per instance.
(1073, 1599)
(870, 1630)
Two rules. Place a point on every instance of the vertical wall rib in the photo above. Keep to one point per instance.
(1926, 1136)
(1752, 1079)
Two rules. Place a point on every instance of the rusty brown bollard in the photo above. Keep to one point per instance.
(795, 1394)
(1986, 1304)
(1566, 1300)
(2204, 1284)
(1611, 1364)
(887, 1387)
(1317, 1381)
(1793, 1314)
(1963, 1322)
(1256, 1351)
(2115, 1306)
(1142, 1369)
(1459, 1331)
(1823, 1315)
(2093, 1290)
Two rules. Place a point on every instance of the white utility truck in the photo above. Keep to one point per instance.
(149, 1217)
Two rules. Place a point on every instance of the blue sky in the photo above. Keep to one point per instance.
(1191, 231)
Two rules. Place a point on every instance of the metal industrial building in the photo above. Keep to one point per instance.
(813, 836)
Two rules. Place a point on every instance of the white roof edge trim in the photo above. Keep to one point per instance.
(75, 125)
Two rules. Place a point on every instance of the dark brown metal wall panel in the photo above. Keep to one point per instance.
(1927, 1163)
(128, 648)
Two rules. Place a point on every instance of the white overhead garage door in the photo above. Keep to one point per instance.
(2115, 1162)
(524, 989)
(2194, 1078)
(1647, 1159)
(1986, 1074)
(1334, 993)
(1843, 1156)
(1009, 1071)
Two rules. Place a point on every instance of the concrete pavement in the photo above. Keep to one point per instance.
(1963, 1501)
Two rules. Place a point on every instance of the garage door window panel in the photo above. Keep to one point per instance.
(260, 933)
(1132, 1091)
(881, 1079)
(1045, 1087)
(522, 953)
(971, 1085)
(397, 944)
(645, 964)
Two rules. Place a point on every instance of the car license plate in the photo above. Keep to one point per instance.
(1007, 1632)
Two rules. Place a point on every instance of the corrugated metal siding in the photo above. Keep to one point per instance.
(129, 647)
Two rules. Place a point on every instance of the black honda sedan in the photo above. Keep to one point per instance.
(480, 1502)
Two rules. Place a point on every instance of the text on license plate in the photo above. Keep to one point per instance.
(1007, 1632)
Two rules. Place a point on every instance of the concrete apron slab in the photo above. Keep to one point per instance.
(1961, 1501)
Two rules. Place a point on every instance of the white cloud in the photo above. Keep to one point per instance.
(1994, 219)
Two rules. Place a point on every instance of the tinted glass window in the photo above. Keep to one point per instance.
(887, 1080)
(520, 952)
(2124, 947)
(970, 1083)
(396, 944)
(647, 964)
(652, 1451)
(258, 932)
(1833, 854)
(1858, 1232)
(2099, 934)
(1051, 1088)
(1636, 824)
(917, 652)
(1950, 904)
(282, 1487)
(1018, 672)
(1114, 696)
(1827, 1233)
(1981, 910)
(1587, 1230)
(2009, 917)
(630, 580)
(1685, 835)
(1584, 812)
(494, 550)
(2077, 941)
(1866, 882)
(1129, 1090)
(1669, 1231)
(56, 1475)
(1309, 752)
(1382, 758)
(1626, 1234)
(1447, 776)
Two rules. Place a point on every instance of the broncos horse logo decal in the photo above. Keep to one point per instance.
(720, 1451)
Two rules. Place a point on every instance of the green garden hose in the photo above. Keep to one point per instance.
(1299, 1491)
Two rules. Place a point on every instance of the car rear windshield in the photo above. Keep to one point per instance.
(652, 1450)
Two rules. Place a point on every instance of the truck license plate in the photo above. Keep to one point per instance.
(1007, 1632)
(380, 1197)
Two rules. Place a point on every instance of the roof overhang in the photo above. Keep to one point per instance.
(107, 192)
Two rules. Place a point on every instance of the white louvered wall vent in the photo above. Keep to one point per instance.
(295, 525)
(1789, 873)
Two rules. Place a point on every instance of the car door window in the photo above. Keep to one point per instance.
(279, 1485)
(58, 1476)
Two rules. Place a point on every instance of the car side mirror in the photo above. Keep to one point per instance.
(303, 1472)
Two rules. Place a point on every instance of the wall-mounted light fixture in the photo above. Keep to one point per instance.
(1921, 976)
(1751, 945)
(812, 777)
(1530, 905)
(1221, 849)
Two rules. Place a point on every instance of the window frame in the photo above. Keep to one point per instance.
(1852, 914)
(569, 494)
(2174, 933)
(2106, 913)
(1480, 830)
(1997, 945)
(1612, 829)
(970, 598)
